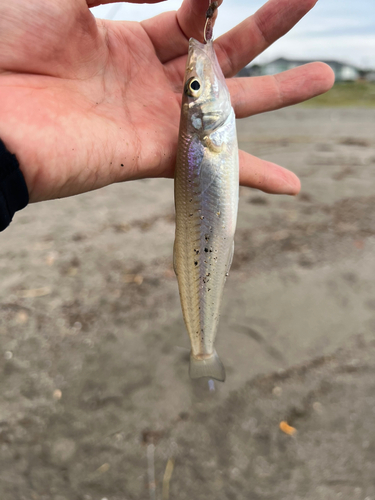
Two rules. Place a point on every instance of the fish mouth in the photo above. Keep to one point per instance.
(204, 48)
(195, 44)
(197, 52)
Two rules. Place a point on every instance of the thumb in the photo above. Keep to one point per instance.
(95, 3)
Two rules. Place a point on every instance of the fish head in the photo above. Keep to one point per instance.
(206, 99)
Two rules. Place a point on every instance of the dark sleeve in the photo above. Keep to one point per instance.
(13, 190)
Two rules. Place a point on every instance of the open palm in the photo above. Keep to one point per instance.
(85, 102)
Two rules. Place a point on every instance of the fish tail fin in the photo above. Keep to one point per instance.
(207, 367)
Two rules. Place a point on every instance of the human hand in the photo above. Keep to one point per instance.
(85, 102)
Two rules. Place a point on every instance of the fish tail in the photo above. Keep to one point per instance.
(207, 367)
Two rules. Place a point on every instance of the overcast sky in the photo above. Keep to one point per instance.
(335, 29)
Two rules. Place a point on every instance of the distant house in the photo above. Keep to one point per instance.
(254, 70)
(368, 75)
(343, 72)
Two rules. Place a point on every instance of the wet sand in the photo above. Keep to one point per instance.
(94, 354)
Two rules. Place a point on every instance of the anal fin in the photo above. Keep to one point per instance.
(230, 260)
(174, 259)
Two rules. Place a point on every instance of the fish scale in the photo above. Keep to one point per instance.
(206, 200)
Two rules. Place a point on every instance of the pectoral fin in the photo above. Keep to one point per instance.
(214, 148)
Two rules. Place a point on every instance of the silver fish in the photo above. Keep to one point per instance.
(206, 201)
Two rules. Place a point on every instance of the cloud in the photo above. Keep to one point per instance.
(135, 12)
(345, 32)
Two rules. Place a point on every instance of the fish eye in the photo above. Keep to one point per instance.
(193, 87)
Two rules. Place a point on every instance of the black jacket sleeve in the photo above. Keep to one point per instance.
(13, 190)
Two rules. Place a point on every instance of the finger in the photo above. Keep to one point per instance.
(267, 176)
(166, 36)
(243, 43)
(191, 17)
(170, 32)
(250, 38)
(58, 41)
(95, 3)
(254, 95)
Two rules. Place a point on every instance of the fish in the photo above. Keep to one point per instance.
(206, 190)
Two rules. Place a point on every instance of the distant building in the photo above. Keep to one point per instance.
(254, 70)
(368, 75)
(343, 72)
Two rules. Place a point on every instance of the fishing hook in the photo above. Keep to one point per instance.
(208, 27)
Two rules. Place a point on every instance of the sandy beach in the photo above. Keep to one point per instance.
(94, 386)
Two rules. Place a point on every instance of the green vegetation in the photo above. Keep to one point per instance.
(349, 94)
